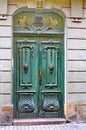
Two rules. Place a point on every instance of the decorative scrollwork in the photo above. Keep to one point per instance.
(53, 22)
(22, 21)
(39, 22)
(51, 104)
(26, 103)
(26, 47)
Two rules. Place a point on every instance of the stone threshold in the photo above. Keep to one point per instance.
(39, 121)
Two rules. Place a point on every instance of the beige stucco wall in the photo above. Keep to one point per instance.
(75, 55)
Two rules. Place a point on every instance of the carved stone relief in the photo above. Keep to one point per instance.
(40, 3)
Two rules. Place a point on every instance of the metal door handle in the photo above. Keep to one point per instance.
(51, 68)
(40, 77)
(25, 67)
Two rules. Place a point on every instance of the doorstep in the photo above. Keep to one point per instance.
(39, 121)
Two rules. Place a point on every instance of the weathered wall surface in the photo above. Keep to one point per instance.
(75, 58)
(76, 68)
(5, 66)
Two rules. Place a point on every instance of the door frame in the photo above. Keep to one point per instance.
(63, 55)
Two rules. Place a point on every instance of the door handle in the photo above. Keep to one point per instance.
(51, 68)
(40, 77)
(25, 67)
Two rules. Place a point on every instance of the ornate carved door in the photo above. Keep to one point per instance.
(38, 66)
(50, 89)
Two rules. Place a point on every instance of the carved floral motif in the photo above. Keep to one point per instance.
(22, 21)
(37, 21)
(53, 22)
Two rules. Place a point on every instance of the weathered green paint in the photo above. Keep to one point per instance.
(39, 65)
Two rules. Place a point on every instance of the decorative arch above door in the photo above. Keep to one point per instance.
(38, 20)
(38, 87)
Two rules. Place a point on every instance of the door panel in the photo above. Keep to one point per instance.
(50, 88)
(26, 77)
(38, 77)
(49, 61)
(25, 66)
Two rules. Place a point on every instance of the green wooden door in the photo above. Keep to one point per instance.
(26, 78)
(38, 77)
(50, 74)
(38, 88)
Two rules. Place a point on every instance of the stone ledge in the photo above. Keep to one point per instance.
(39, 121)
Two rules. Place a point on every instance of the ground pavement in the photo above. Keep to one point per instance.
(67, 126)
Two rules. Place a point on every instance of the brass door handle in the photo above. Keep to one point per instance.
(40, 77)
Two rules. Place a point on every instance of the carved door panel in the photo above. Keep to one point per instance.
(38, 75)
(50, 79)
(26, 79)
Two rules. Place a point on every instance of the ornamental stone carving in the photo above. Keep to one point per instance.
(40, 3)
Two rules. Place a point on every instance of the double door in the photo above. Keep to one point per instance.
(38, 77)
